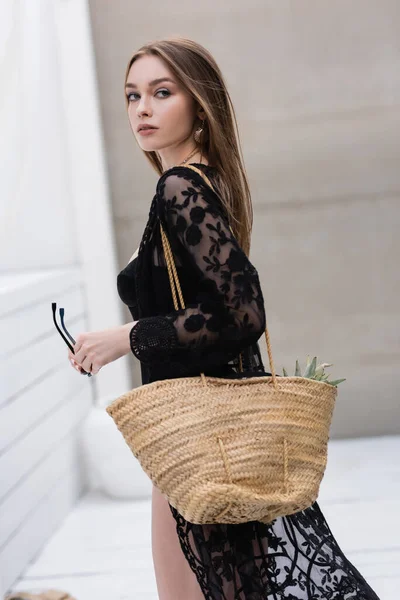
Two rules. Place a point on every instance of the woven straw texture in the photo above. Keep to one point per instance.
(229, 450)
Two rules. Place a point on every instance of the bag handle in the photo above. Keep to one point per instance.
(176, 287)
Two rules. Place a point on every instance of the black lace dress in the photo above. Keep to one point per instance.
(294, 557)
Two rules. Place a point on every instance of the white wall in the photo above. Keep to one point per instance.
(316, 90)
(56, 244)
(39, 228)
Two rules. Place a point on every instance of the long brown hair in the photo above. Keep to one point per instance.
(198, 73)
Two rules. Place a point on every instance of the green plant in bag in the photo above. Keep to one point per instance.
(314, 371)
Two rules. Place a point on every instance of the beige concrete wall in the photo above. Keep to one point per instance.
(316, 86)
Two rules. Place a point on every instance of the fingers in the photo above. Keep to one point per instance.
(81, 359)
(79, 354)
(75, 365)
(78, 343)
(93, 369)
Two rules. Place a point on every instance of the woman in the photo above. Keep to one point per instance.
(175, 86)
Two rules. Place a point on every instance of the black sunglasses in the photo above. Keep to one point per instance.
(54, 308)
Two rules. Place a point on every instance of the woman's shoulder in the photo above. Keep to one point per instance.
(181, 187)
(182, 181)
(179, 172)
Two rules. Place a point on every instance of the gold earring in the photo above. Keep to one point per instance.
(198, 133)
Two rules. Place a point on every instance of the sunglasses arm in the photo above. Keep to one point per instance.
(54, 307)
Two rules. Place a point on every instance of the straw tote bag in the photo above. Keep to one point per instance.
(229, 450)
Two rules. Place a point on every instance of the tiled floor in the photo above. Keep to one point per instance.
(103, 549)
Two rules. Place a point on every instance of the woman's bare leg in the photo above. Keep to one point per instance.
(175, 579)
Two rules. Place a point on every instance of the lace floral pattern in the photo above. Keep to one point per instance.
(294, 557)
(227, 312)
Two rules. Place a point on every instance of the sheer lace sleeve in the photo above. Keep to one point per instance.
(228, 314)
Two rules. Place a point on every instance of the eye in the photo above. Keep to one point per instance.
(157, 92)
(168, 93)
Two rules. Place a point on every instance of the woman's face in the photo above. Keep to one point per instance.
(164, 104)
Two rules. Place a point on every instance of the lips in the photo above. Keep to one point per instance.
(144, 127)
(148, 131)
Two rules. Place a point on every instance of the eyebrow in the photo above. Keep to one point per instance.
(151, 83)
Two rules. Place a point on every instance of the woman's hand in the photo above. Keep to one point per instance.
(95, 349)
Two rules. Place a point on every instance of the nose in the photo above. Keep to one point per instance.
(143, 107)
